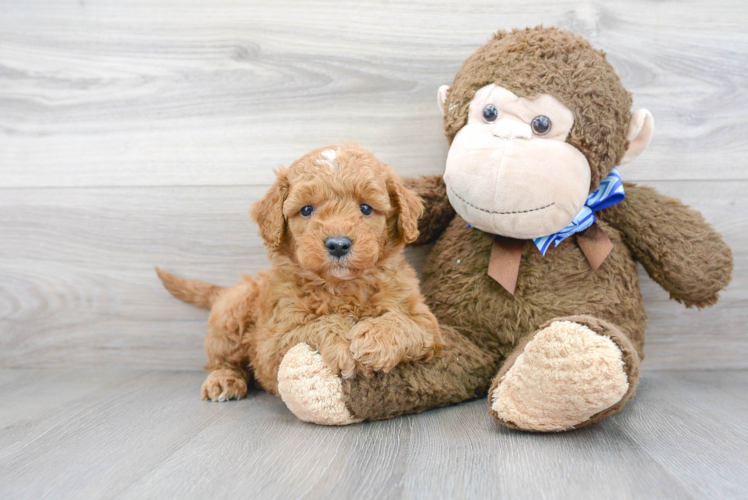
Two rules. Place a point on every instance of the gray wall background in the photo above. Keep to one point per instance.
(138, 133)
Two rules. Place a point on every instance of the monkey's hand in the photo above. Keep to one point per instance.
(437, 212)
(677, 247)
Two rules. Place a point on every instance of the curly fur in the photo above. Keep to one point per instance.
(364, 313)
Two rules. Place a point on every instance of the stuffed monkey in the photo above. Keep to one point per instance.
(533, 275)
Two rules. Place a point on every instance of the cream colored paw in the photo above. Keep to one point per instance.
(566, 374)
(311, 390)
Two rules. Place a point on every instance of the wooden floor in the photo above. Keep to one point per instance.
(145, 434)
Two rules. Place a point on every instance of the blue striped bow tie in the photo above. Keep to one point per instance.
(609, 193)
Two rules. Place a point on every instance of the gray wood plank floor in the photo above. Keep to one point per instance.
(124, 433)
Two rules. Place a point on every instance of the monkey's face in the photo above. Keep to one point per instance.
(510, 170)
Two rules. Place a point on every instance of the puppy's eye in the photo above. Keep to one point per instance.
(541, 125)
(306, 211)
(490, 113)
(366, 209)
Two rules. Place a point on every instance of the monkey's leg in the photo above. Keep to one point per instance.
(314, 394)
(573, 371)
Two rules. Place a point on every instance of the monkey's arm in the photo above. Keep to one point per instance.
(676, 246)
(437, 212)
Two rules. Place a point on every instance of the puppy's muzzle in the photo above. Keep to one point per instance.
(338, 246)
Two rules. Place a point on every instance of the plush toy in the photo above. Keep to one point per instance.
(533, 276)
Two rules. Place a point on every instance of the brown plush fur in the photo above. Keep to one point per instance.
(684, 255)
(535, 61)
(363, 313)
(488, 327)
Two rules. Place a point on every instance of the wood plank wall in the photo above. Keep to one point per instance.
(135, 133)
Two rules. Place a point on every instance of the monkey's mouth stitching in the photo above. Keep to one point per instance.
(500, 213)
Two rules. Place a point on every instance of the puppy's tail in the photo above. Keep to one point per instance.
(194, 292)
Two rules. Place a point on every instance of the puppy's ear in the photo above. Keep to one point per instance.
(409, 208)
(268, 212)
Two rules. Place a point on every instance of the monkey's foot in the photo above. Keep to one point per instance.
(566, 374)
(311, 390)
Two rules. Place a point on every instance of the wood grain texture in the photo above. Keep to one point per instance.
(167, 92)
(145, 434)
(79, 288)
(137, 133)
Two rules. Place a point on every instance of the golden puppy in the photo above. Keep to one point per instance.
(335, 224)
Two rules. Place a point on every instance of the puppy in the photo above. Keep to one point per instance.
(335, 224)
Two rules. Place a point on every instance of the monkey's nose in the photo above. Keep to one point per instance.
(511, 129)
(338, 246)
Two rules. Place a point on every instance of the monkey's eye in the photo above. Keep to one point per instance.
(366, 209)
(490, 113)
(306, 211)
(541, 125)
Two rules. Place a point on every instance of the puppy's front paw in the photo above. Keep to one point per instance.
(223, 385)
(381, 343)
(374, 351)
(339, 358)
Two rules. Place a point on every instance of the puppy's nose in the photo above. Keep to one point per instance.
(338, 246)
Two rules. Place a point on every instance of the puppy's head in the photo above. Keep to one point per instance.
(337, 212)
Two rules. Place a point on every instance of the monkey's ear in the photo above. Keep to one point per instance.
(441, 97)
(409, 208)
(268, 212)
(641, 128)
